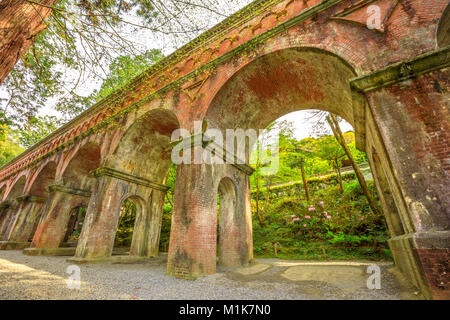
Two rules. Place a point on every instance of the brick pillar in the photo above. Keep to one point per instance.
(193, 234)
(410, 105)
(28, 216)
(56, 212)
(100, 225)
(235, 225)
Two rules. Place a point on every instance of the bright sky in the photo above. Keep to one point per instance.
(303, 126)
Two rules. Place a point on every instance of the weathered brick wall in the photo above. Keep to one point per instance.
(193, 235)
(253, 68)
(436, 267)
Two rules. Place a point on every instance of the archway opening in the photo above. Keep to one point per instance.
(77, 174)
(125, 226)
(144, 151)
(44, 179)
(39, 191)
(74, 226)
(3, 206)
(276, 85)
(17, 190)
(228, 229)
(10, 206)
(312, 205)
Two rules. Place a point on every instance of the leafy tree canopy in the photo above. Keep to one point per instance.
(82, 37)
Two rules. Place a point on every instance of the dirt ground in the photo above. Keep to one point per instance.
(39, 277)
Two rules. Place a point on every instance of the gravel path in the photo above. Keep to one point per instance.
(31, 277)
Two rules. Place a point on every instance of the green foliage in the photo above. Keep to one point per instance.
(8, 148)
(352, 191)
(36, 129)
(332, 226)
(80, 38)
(125, 68)
(165, 228)
(320, 155)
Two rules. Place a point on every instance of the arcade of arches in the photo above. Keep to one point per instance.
(271, 58)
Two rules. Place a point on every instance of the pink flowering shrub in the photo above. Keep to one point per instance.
(311, 220)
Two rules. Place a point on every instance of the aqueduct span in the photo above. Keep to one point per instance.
(270, 58)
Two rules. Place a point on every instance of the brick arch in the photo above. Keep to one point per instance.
(443, 29)
(16, 189)
(43, 177)
(146, 143)
(2, 191)
(281, 82)
(84, 159)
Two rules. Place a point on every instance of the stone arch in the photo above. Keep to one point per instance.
(229, 224)
(44, 177)
(144, 149)
(2, 191)
(282, 82)
(11, 206)
(443, 29)
(17, 188)
(77, 173)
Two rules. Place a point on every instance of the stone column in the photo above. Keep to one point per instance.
(56, 214)
(27, 218)
(100, 225)
(409, 103)
(193, 234)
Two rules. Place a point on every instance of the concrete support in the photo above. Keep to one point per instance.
(28, 216)
(409, 104)
(193, 236)
(56, 214)
(100, 225)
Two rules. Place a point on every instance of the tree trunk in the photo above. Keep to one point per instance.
(20, 22)
(258, 165)
(332, 121)
(305, 182)
(338, 170)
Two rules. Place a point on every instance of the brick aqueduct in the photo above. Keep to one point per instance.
(270, 58)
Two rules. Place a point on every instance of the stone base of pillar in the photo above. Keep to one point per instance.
(424, 257)
(115, 259)
(49, 252)
(11, 245)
